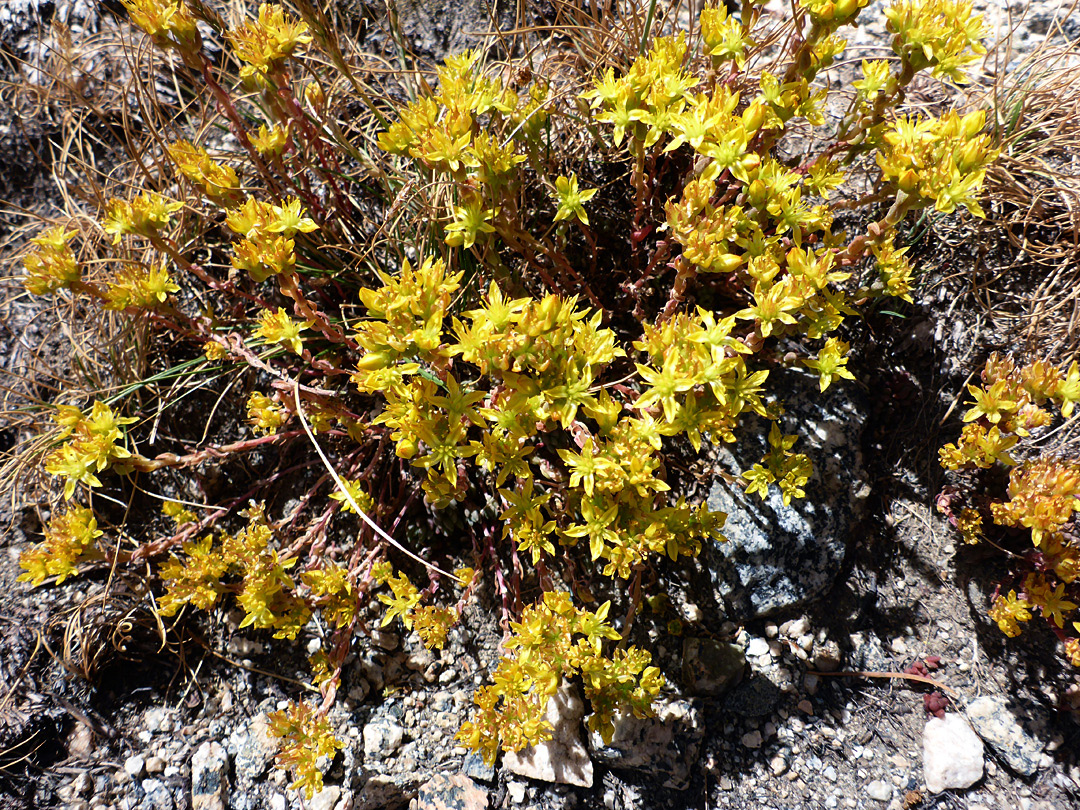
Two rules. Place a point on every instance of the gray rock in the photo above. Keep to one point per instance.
(209, 777)
(952, 754)
(382, 791)
(666, 747)
(135, 765)
(254, 747)
(433, 28)
(158, 795)
(779, 557)
(456, 792)
(752, 739)
(711, 667)
(325, 799)
(382, 737)
(563, 758)
(474, 766)
(995, 720)
(879, 791)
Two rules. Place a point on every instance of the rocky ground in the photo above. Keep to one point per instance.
(784, 650)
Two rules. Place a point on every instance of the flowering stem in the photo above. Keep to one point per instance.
(306, 310)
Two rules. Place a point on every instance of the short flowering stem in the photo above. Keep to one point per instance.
(329, 165)
(685, 271)
(635, 602)
(227, 107)
(308, 311)
(144, 464)
(167, 247)
(860, 244)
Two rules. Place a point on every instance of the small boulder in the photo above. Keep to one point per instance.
(952, 754)
(563, 758)
(780, 556)
(710, 667)
(666, 746)
(996, 722)
(443, 792)
(210, 777)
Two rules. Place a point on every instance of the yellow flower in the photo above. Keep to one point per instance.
(278, 327)
(267, 41)
(571, 200)
(52, 266)
(169, 23)
(145, 215)
(470, 220)
(289, 218)
(831, 363)
(270, 142)
(264, 415)
(140, 286)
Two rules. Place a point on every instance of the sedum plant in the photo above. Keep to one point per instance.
(572, 280)
(1043, 494)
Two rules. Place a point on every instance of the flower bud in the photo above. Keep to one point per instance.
(971, 154)
(756, 194)
(845, 9)
(314, 95)
(751, 162)
(825, 12)
(373, 361)
(753, 117)
(406, 448)
(727, 263)
(972, 124)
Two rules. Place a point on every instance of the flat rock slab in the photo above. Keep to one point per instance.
(457, 792)
(563, 758)
(997, 721)
(665, 747)
(780, 557)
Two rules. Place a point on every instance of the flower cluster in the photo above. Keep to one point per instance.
(1043, 494)
(52, 265)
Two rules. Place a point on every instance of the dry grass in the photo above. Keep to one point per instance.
(1033, 193)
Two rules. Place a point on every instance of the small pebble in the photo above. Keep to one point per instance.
(752, 739)
(155, 765)
(757, 647)
(879, 791)
(778, 765)
(134, 765)
(516, 792)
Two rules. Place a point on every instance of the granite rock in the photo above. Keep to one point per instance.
(665, 747)
(210, 777)
(564, 758)
(253, 747)
(456, 792)
(779, 557)
(996, 721)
